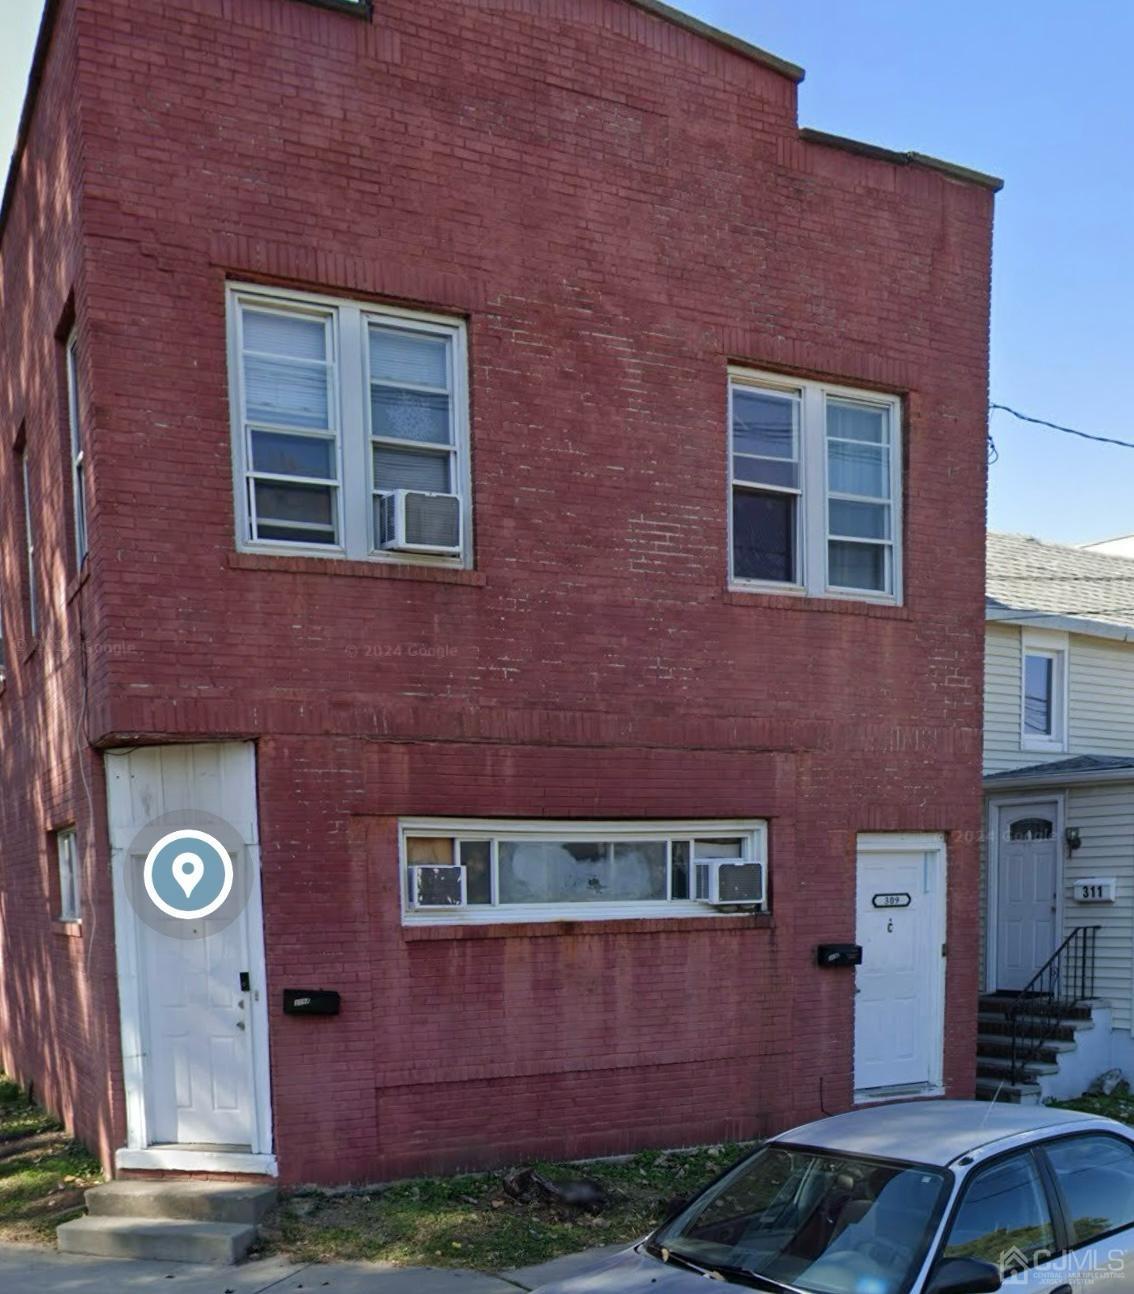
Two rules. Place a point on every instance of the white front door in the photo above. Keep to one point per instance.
(899, 988)
(199, 1052)
(1027, 891)
(193, 1007)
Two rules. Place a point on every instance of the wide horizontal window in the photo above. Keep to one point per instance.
(814, 481)
(349, 429)
(477, 870)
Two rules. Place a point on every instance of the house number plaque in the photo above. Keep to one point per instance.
(891, 900)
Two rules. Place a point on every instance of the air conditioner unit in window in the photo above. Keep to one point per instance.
(437, 886)
(727, 882)
(415, 521)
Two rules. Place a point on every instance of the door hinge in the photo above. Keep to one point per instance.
(944, 950)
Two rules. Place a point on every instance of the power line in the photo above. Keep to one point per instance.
(1055, 426)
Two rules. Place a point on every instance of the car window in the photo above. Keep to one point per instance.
(821, 1222)
(1004, 1217)
(1096, 1174)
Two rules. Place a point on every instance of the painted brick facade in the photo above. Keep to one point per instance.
(619, 207)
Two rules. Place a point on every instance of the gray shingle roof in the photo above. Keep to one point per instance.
(1026, 575)
(1076, 764)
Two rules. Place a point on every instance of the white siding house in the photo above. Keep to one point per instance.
(1059, 783)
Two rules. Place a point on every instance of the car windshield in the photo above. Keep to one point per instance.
(832, 1224)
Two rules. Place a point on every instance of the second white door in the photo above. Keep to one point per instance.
(899, 988)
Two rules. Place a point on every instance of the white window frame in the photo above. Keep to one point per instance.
(812, 505)
(78, 451)
(70, 876)
(753, 831)
(348, 355)
(1054, 647)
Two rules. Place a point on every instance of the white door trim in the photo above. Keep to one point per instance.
(996, 806)
(931, 844)
(138, 1153)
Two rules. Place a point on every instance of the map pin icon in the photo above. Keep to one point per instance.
(187, 872)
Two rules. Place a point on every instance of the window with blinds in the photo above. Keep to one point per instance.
(343, 410)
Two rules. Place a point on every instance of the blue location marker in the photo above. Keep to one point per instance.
(188, 874)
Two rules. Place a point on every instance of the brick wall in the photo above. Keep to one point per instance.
(619, 209)
(58, 1004)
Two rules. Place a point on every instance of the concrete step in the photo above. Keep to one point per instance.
(1003, 1004)
(997, 1026)
(999, 1046)
(989, 1089)
(165, 1239)
(1037, 1024)
(1000, 1067)
(189, 1201)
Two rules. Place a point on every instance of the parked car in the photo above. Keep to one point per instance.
(940, 1197)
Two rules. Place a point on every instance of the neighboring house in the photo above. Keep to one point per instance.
(1119, 546)
(493, 461)
(1059, 780)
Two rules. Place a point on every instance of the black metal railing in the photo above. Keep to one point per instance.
(1065, 981)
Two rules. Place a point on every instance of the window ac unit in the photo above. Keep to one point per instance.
(727, 882)
(437, 886)
(416, 521)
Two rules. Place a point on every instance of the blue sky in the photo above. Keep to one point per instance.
(1039, 93)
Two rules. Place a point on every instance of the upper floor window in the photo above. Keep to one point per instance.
(1043, 706)
(815, 495)
(78, 451)
(350, 429)
(531, 871)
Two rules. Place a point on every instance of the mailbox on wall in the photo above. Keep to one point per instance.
(310, 1001)
(831, 956)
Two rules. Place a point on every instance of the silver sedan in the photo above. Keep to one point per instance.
(933, 1197)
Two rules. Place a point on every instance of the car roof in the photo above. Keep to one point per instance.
(932, 1132)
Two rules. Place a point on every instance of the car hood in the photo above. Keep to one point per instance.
(627, 1273)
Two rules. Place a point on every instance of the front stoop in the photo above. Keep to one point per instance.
(187, 1222)
(1040, 1077)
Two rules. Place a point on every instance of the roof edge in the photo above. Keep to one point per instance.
(681, 19)
(963, 173)
(1011, 781)
(31, 94)
(1031, 619)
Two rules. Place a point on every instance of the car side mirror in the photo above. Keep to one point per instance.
(964, 1276)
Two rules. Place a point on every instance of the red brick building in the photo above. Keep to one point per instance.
(486, 437)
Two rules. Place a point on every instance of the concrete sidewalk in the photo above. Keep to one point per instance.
(31, 1270)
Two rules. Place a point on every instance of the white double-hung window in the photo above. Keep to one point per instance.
(482, 871)
(350, 429)
(815, 499)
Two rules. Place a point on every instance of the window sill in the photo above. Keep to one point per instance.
(614, 926)
(351, 567)
(794, 601)
(1044, 747)
(68, 928)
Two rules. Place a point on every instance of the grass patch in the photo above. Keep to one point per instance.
(472, 1221)
(43, 1171)
(1119, 1105)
